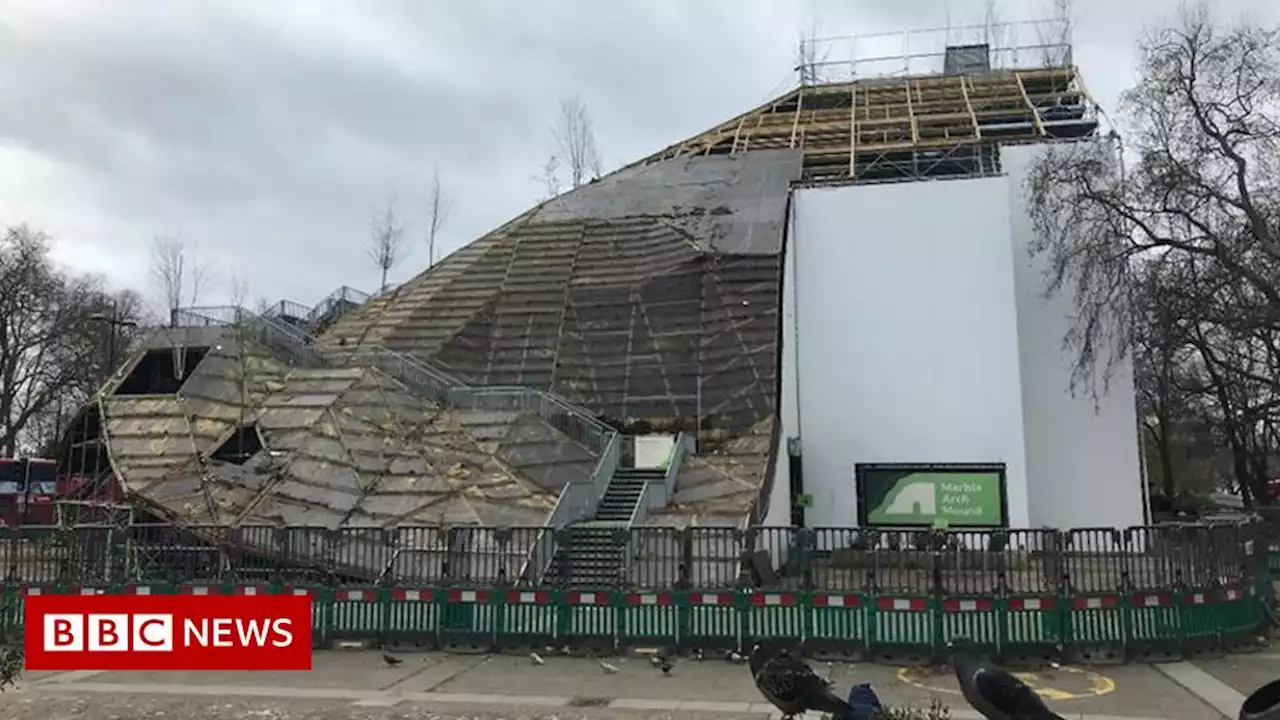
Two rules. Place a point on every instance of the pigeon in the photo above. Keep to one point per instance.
(790, 684)
(537, 659)
(991, 690)
(662, 663)
(865, 703)
(391, 660)
(609, 669)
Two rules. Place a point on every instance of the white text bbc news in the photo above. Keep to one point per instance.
(140, 632)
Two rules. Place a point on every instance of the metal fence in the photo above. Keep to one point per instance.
(1091, 594)
(846, 559)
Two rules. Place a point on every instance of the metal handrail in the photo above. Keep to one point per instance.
(569, 507)
(639, 513)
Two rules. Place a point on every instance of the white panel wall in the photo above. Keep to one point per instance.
(1083, 464)
(905, 334)
(789, 413)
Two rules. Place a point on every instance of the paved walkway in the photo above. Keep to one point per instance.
(499, 686)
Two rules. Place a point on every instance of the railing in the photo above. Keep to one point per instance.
(342, 300)
(659, 494)
(280, 337)
(577, 502)
(656, 495)
(1144, 593)
(997, 46)
(574, 421)
(288, 309)
(1192, 558)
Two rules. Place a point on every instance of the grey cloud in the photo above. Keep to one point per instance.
(269, 132)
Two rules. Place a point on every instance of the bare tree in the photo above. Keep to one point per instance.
(180, 275)
(113, 323)
(807, 55)
(575, 142)
(240, 296)
(386, 241)
(50, 343)
(1175, 257)
(549, 177)
(437, 214)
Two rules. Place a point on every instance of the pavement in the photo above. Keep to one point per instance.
(357, 685)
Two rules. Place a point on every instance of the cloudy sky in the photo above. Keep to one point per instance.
(267, 132)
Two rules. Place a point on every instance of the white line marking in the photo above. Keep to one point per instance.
(1211, 691)
(376, 702)
(69, 677)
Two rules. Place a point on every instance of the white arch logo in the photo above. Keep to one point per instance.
(919, 497)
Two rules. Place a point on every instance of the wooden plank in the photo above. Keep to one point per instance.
(853, 128)
(1035, 111)
(795, 122)
(737, 133)
(868, 148)
(750, 135)
(915, 130)
(964, 87)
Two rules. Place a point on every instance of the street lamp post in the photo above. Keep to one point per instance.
(115, 323)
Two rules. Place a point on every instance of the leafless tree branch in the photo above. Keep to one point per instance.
(181, 277)
(53, 339)
(386, 241)
(438, 209)
(575, 142)
(1170, 249)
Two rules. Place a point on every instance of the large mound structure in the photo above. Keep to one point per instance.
(500, 386)
(649, 297)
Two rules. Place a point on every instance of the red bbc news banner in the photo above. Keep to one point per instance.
(168, 632)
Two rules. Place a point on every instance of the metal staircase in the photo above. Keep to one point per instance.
(591, 544)
(314, 319)
(624, 492)
(590, 555)
(593, 553)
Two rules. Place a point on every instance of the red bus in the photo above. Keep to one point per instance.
(28, 487)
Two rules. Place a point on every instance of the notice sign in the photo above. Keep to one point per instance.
(167, 632)
(940, 496)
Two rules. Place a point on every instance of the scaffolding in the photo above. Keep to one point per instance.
(914, 115)
(1026, 45)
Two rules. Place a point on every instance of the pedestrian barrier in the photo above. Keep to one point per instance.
(846, 626)
(1094, 595)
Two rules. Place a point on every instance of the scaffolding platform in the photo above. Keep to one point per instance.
(946, 122)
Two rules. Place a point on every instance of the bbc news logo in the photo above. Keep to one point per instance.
(143, 632)
(168, 632)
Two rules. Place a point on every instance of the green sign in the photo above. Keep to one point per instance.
(938, 496)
